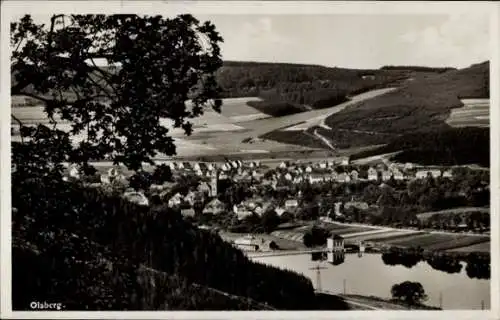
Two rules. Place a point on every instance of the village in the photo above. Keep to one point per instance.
(238, 198)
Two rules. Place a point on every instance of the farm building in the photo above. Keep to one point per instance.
(291, 204)
(214, 207)
(251, 243)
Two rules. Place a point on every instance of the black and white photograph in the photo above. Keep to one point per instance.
(236, 156)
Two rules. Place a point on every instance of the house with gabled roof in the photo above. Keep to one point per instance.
(386, 175)
(354, 175)
(372, 174)
(215, 207)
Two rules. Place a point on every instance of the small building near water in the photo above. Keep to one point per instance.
(335, 246)
(248, 243)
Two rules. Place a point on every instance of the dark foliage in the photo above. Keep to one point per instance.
(423, 103)
(296, 85)
(316, 236)
(276, 109)
(412, 293)
(417, 68)
(477, 265)
(451, 146)
(157, 238)
(118, 109)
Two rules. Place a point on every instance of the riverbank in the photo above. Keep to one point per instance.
(377, 303)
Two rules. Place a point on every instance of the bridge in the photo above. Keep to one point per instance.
(284, 252)
(278, 253)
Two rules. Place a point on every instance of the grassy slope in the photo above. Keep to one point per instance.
(423, 104)
(402, 116)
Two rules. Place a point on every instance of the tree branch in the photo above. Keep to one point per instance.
(20, 126)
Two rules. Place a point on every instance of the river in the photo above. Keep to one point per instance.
(369, 276)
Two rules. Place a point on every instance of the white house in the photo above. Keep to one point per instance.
(372, 174)
(214, 207)
(248, 243)
(309, 169)
(283, 165)
(323, 165)
(356, 204)
(344, 161)
(226, 167)
(398, 175)
(291, 204)
(354, 175)
(180, 165)
(74, 172)
(408, 166)
(334, 244)
(448, 174)
(298, 179)
(288, 177)
(279, 211)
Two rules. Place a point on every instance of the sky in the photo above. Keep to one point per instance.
(354, 40)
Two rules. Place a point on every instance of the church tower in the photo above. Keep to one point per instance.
(214, 179)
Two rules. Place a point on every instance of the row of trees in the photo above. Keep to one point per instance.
(477, 265)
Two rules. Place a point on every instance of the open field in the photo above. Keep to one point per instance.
(480, 247)
(458, 243)
(451, 212)
(210, 135)
(385, 236)
(436, 241)
(474, 113)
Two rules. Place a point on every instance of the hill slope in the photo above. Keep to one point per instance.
(85, 248)
(424, 103)
(293, 88)
(419, 106)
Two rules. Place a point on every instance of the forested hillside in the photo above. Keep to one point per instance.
(88, 249)
(452, 146)
(412, 118)
(424, 104)
(294, 87)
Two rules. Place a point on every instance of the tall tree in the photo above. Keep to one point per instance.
(111, 78)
